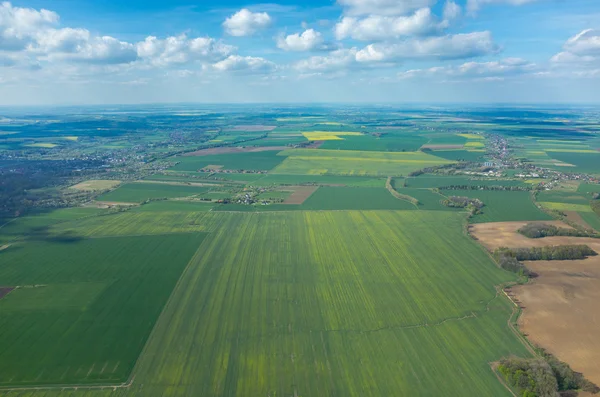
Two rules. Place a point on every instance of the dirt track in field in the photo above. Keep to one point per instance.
(301, 193)
(573, 216)
(560, 307)
(226, 150)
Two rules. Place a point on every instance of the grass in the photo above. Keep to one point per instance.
(96, 184)
(348, 162)
(459, 155)
(94, 307)
(583, 162)
(287, 304)
(566, 206)
(592, 219)
(433, 181)
(355, 181)
(354, 198)
(258, 161)
(503, 206)
(138, 192)
(174, 206)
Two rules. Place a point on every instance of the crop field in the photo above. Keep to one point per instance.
(284, 304)
(138, 192)
(592, 219)
(428, 200)
(174, 206)
(258, 161)
(434, 181)
(355, 198)
(589, 188)
(459, 155)
(93, 185)
(83, 314)
(388, 142)
(355, 181)
(503, 206)
(583, 162)
(328, 135)
(566, 206)
(347, 162)
(558, 196)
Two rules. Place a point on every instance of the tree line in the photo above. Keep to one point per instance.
(540, 230)
(544, 376)
(549, 253)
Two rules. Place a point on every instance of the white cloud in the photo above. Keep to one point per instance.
(483, 71)
(181, 49)
(61, 40)
(451, 11)
(376, 27)
(237, 63)
(475, 5)
(307, 41)
(584, 43)
(103, 50)
(19, 26)
(246, 22)
(459, 46)
(382, 7)
(581, 51)
(334, 61)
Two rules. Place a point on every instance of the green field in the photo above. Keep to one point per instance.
(428, 200)
(355, 181)
(284, 304)
(357, 198)
(259, 161)
(583, 162)
(589, 188)
(459, 155)
(433, 181)
(174, 206)
(389, 142)
(85, 308)
(138, 192)
(503, 206)
(557, 196)
(592, 219)
(348, 162)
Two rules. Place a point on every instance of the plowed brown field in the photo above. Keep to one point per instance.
(561, 311)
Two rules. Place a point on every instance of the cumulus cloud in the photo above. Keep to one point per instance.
(581, 50)
(459, 46)
(181, 49)
(334, 61)
(475, 5)
(382, 7)
(495, 70)
(103, 50)
(244, 64)
(246, 22)
(307, 41)
(376, 27)
(19, 27)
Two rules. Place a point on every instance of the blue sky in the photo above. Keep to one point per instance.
(402, 51)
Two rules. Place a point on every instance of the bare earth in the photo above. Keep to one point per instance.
(5, 291)
(225, 150)
(301, 193)
(96, 184)
(561, 311)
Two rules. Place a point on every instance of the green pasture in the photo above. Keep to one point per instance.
(138, 192)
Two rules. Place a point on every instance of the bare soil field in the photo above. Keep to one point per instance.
(96, 184)
(5, 291)
(229, 150)
(442, 147)
(301, 193)
(560, 307)
(252, 128)
(315, 145)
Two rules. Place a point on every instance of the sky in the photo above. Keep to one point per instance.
(77, 52)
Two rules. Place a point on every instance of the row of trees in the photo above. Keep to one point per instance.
(550, 253)
(486, 187)
(473, 205)
(544, 376)
(539, 230)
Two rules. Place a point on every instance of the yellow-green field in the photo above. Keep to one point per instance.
(471, 136)
(327, 135)
(350, 162)
(566, 206)
(42, 145)
(96, 184)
